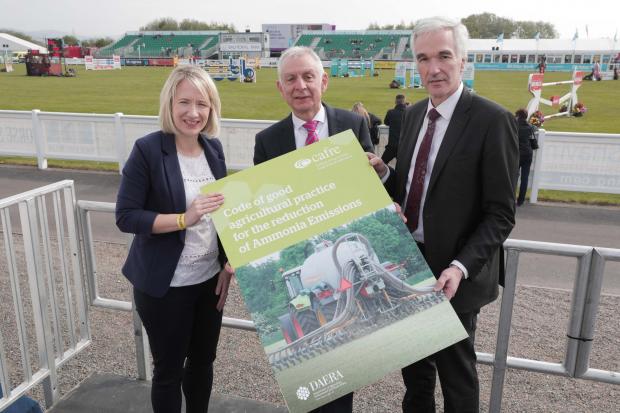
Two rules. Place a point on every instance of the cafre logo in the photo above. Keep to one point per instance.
(302, 163)
(303, 393)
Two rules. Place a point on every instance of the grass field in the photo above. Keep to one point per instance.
(135, 91)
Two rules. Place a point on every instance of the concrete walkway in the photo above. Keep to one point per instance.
(108, 393)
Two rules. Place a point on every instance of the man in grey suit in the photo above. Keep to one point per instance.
(302, 82)
(455, 175)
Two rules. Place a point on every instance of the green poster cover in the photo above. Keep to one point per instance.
(336, 286)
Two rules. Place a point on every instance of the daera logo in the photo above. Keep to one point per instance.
(325, 380)
(302, 393)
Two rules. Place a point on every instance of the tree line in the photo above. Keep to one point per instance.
(489, 26)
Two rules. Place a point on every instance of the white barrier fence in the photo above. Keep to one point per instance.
(583, 162)
(580, 334)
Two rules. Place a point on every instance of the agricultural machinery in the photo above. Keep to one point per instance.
(341, 292)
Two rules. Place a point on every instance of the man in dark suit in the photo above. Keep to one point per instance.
(455, 176)
(301, 82)
(394, 119)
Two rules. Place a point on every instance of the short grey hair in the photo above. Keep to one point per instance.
(434, 24)
(201, 80)
(299, 51)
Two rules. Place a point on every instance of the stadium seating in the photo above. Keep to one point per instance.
(356, 45)
(162, 44)
(393, 45)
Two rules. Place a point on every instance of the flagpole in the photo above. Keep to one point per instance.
(575, 36)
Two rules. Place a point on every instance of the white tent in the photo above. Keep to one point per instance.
(15, 44)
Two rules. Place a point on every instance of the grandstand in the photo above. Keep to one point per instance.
(164, 44)
(364, 44)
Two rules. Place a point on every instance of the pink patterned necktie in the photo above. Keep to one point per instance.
(310, 126)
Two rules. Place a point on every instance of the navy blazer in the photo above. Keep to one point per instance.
(152, 184)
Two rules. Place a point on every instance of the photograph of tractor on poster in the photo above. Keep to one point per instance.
(320, 302)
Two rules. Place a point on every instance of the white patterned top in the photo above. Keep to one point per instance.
(198, 261)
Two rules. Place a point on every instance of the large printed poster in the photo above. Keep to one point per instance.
(336, 286)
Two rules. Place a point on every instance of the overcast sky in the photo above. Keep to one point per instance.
(86, 18)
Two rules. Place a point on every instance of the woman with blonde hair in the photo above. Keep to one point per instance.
(176, 264)
(372, 121)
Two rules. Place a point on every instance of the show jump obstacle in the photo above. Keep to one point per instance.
(535, 85)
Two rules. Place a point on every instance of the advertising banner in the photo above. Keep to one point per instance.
(335, 284)
(91, 63)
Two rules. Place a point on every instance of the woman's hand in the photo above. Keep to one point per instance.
(203, 204)
(223, 282)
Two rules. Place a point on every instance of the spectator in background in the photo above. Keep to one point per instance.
(542, 65)
(394, 119)
(372, 121)
(596, 71)
(527, 143)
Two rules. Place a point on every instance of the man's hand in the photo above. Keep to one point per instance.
(399, 211)
(377, 163)
(449, 281)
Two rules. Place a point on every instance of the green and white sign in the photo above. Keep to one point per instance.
(334, 282)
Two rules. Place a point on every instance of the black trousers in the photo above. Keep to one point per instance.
(183, 328)
(456, 367)
(524, 166)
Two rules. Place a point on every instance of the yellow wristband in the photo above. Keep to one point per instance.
(181, 221)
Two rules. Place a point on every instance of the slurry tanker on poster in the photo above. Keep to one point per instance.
(338, 290)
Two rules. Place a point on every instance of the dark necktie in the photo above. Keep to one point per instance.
(412, 209)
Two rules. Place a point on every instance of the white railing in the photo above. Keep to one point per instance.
(61, 325)
(584, 162)
(580, 333)
(46, 254)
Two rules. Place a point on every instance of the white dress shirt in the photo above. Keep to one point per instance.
(322, 129)
(445, 109)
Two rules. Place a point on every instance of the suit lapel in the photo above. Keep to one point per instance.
(217, 166)
(454, 133)
(287, 140)
(173, 172)
(333, 122)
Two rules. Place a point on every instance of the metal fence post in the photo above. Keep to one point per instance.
(538, 157)
(39, 297)
(120, 140)
(590, 310)
(37, 134)
(578, 304)
(142, 346)
(503, 331)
